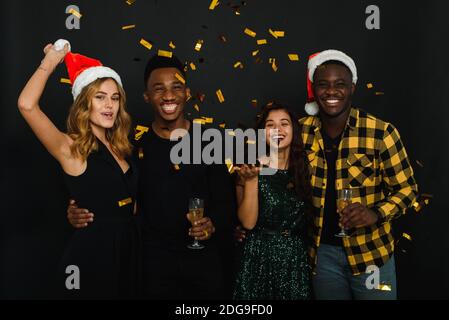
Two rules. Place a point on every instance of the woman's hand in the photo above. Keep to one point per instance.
(54, 57)
(248, 172)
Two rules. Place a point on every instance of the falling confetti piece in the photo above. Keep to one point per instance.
(192, 66)
(384, 287)
(177, 167)
(197, 108)
(208, 120)
(199, 121)
(254, 103)
(220, 96)
(262, 41)
(75, 13)
(131, 26)
(273, 65)
(250, 32)
(293, 57)
(230, 165)
(201, 97)
(369, 86)
(222, 38)
(254, 53)
(163, 53)
(279, 34)
(64, 80)
(222, 125)
(251, 142)
(130, 2)
(407, 236)
(231, 133)
(259, 60)
(172, 45)
(146, 44)
(199, 45)
(140, 131)
(125, 202)
(238, 64)
(141, 155)
(180, 78)
(213, 4)
(379, 93)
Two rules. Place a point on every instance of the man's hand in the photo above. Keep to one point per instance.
(78, 218)
(239, 234)
(356, 215)
(202, 229)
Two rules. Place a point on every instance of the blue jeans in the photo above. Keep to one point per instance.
(334, 280)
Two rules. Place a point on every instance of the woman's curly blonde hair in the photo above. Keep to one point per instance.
(80, 130)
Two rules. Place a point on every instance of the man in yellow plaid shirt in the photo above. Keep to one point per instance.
(348, 148)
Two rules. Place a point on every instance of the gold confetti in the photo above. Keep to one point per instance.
(384, 287)
(254, 53)
(369, 86)
(140, 131)
(293, 57)
(199, 45)
(75, 13)
(220, 96)
(177, 167)
(64, 80)
(273, 65)
(146, 44)
(130, 2)
(251, 142)
(277, 34)
(222, 125)
(379, 93)
(131, 26)
(254, 103)
(163, 53)
(407, 236)
(419, 164)
(199, 121)
(238, 64)
(222, 38)
(201, 96)
(197, 108)
(141, 155)
(125, 202)
(192, 66)
(180, 78)
(230, 165)
(250, 32)
(172, 45)
(208, 120)
(213, 4)
(262, 41)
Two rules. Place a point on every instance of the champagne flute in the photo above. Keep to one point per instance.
(196, 213)
(344, 199)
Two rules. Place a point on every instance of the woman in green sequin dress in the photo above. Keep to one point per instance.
(275, 208)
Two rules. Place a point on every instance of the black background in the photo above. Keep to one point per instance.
(407, 60)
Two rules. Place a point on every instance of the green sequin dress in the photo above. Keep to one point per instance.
(274, 263)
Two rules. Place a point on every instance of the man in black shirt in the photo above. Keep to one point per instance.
(170, 269)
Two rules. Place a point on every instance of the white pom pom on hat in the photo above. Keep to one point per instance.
(317, 59)
(84, 70)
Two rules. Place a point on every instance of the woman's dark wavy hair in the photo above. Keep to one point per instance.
(297, 163)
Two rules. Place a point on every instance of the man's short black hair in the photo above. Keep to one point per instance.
(158, 62)
(338, 63)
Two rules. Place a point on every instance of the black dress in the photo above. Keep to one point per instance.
(107, 252)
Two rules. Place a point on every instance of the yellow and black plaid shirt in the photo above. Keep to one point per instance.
(371, 161)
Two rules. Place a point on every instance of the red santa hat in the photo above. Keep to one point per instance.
(317, 59)
(84, 70)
